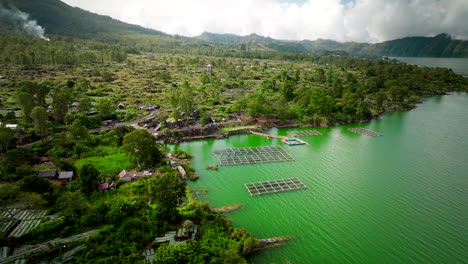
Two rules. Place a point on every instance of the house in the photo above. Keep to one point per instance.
(11, 126)
(124, 176)
(103, 186)
(188, 231)
(107, 186)
(48, 174)
(66, 175)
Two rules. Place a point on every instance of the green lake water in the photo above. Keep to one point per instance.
(399, 198)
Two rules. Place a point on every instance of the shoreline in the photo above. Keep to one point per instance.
(272, 124)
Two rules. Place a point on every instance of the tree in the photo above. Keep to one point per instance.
(105, 108)
(258, 105)
(204, 79)
(85, 104)
(73, 204)
(88, 177)
(6, 136)
(287, 89)
(78, 132)
(239, 106)
(39, 117)
(61, 98)
(182, 98)
(36, 184)
(166, 192)
(14, 158)
(142, 148)
(42, 90)
(26, 101)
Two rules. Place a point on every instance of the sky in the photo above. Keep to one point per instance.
(342, 20)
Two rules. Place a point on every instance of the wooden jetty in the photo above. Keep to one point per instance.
(274, 186)
(305, 133)
(366, 132)
(267, 135)
(283, 138)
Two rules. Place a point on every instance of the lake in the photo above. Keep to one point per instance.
(458, 65)
(399, 198)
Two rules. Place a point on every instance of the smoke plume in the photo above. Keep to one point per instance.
(15, 21)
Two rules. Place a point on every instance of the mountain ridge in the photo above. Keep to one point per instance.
(441, 45)
(61, 19)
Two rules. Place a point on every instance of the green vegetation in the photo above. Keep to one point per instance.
(235, 128)
(141, 147)
(110, 164)
(75, 97)
(129, 217)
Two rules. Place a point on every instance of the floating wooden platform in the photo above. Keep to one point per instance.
(293, 142)
(284, 139)
(274, 186)
(267, 135)
(304, 133)
(252, 155)
(366, 132)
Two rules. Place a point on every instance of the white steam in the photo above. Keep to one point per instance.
(18, 22)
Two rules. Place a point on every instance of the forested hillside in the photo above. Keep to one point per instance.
(439, 46)
(59, 18)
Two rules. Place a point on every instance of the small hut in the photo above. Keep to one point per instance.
(209, 68)
(66, 176)
(124, 176)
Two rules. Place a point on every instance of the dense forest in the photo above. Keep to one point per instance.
(102, 102)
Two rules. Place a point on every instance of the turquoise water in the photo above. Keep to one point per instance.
(399, 198)
(458, 65)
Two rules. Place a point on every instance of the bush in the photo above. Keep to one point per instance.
(36, 184)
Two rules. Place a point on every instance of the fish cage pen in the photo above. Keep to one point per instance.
(252, 155)
(274, 186)
(304, 133)
(366, 132)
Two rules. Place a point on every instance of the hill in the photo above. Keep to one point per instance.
(61, 19)
(439, 46)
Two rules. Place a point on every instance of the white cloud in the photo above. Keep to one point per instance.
(359, 20)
